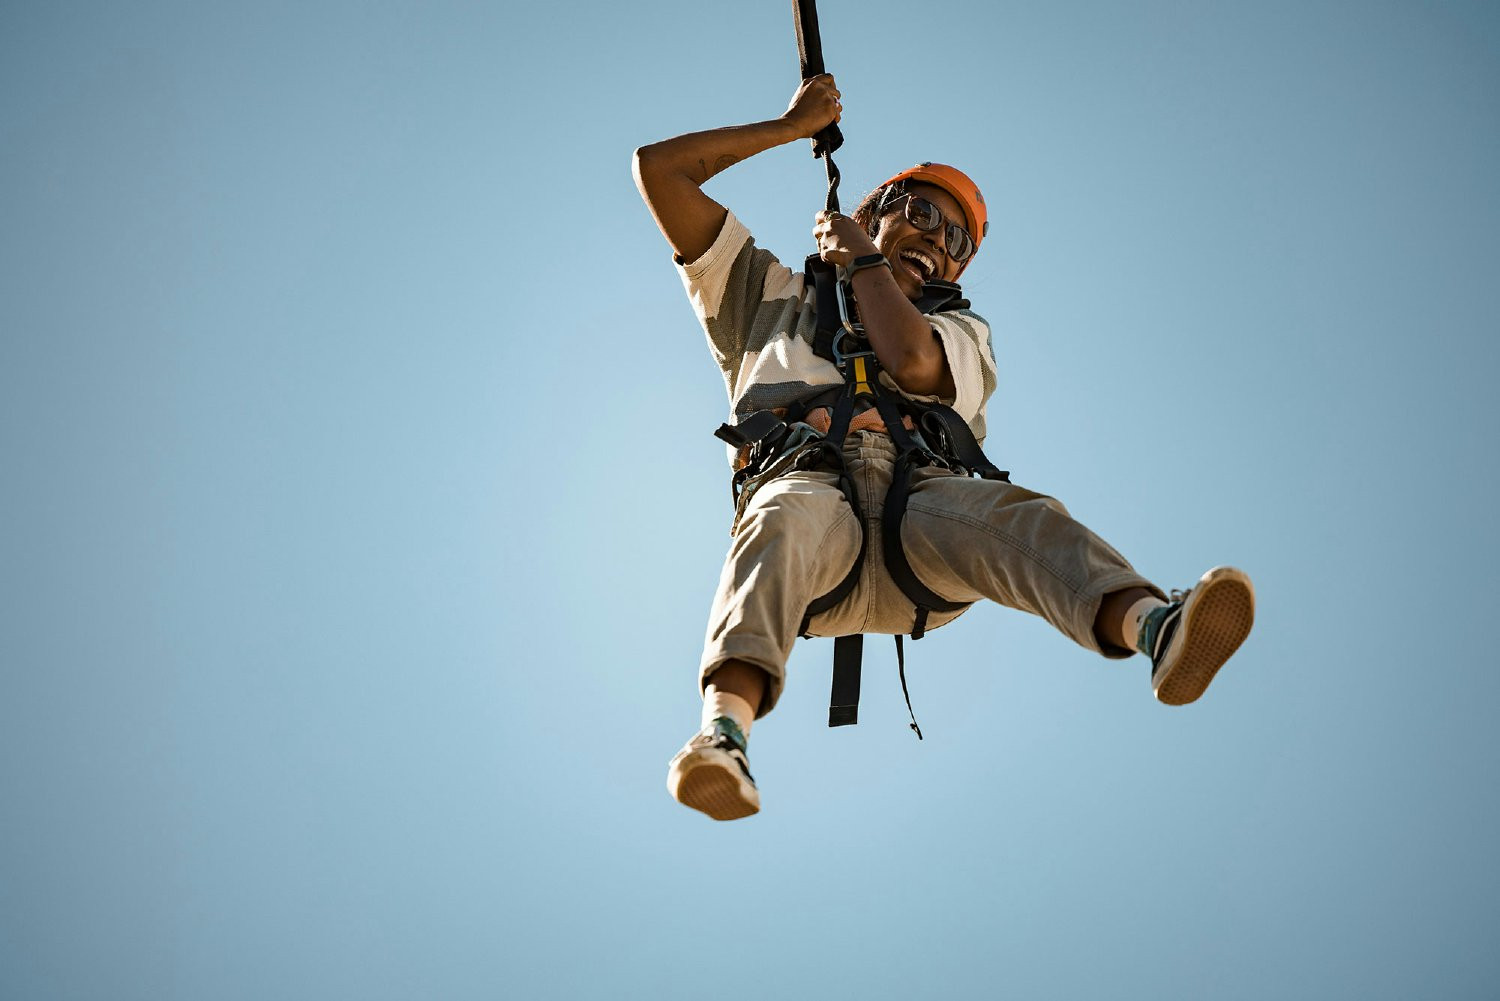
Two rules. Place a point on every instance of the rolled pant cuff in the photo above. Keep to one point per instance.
(754, 655)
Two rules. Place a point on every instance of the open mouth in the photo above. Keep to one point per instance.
(919, 264)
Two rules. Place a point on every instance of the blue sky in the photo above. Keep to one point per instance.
(362, 512)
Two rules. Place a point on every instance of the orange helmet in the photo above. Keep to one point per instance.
(957, 184)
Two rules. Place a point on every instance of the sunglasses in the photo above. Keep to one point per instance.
(925, 216)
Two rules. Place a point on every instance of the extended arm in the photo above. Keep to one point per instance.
(671, 173)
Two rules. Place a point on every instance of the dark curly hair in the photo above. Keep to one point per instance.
(873, 206)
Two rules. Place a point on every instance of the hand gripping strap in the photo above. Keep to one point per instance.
(810, 55)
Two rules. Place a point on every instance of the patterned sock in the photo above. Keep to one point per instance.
(1151, 628)
(1135, 620)
(717, 703)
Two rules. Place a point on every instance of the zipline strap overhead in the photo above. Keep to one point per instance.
(810, 55)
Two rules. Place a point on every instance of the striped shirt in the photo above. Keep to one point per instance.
(761, 326)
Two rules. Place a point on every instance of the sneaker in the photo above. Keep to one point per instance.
(1191, 638)
(711, 773)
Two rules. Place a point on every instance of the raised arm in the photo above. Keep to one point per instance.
(671, 173)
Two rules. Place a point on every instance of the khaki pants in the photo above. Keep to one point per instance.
(965, 538)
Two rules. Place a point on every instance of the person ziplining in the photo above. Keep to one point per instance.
(863, 503)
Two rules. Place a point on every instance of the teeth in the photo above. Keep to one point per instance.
(927, 264)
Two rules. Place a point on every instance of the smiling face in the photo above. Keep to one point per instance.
(915, 256)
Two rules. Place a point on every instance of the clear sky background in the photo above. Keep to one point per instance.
(361, 511)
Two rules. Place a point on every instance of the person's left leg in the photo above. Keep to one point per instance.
(1118, 623)
(969, 539)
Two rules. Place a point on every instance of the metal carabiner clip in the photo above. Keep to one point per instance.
(851, 329)
(848, 312)
(841, 356)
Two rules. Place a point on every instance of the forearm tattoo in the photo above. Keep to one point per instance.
(721, 164)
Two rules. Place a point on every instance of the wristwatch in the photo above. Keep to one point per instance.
(867, 261)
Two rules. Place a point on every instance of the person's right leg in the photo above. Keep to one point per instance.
(796, 540)
(735, 689)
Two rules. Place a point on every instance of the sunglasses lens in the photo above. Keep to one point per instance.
(923, 214)
(959, 245)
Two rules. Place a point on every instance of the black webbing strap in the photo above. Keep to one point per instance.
(833, 455)
(752, 429)
(909, 457)
(810, 55)
(825, 283)
(957, 438)
(843, 701)
(832, 203)
(901, 670)
(919, 594)
(939, 296)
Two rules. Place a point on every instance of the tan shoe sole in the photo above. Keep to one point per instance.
(1215, 620)
(712, 783)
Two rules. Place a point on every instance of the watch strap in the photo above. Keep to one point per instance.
(867, 261)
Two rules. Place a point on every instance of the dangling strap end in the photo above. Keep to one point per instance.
(919, 627)
(843, 701)
(901, 669)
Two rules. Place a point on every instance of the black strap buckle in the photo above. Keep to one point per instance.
(757, 427)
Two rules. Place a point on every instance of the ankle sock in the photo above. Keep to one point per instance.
(717, 703)
(1135, 620)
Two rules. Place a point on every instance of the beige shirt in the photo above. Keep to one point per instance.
(761, 325)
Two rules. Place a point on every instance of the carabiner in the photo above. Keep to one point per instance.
(840, 356)
(849, 313)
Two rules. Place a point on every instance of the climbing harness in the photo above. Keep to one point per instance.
(939, 436)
